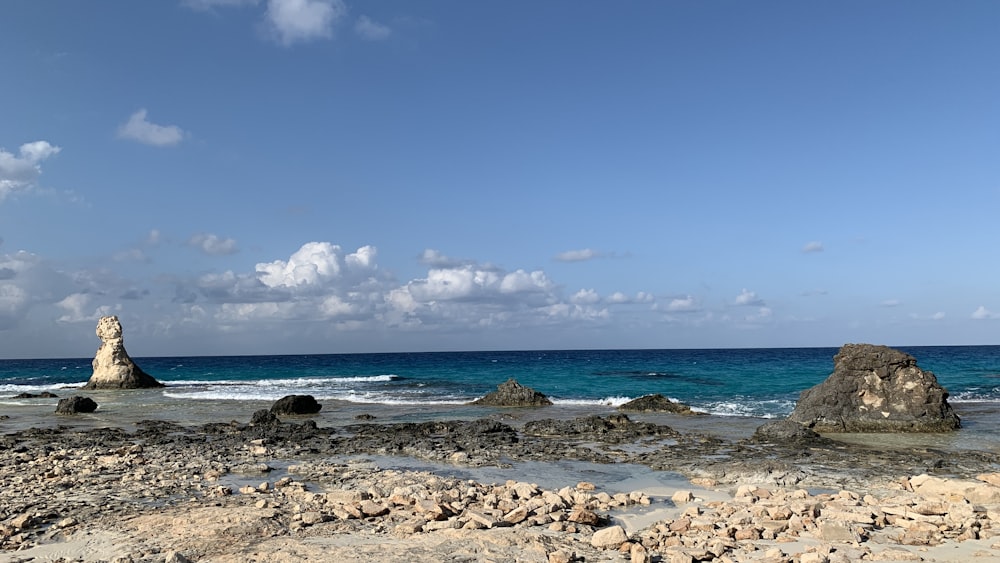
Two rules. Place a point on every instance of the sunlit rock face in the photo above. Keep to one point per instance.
(113, 368)
(876, 389)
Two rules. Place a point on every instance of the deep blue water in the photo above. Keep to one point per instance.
(749, 382)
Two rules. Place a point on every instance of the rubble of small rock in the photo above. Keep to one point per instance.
(215, 493)
(113, 368)
(876, 389)
(512, 394)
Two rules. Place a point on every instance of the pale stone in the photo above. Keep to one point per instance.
(113, 368)
(610, 537)
(682, 497)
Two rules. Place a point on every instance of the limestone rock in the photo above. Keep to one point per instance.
(655, 403)
(610, 537)
(296, 404)
(113, 368)
(876, 389)
(76, 404)
(513, 394)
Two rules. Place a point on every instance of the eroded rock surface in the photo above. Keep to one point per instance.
(876, 389)
(113, 368)
(76, 404)
(512, 394)
(655, 403)
(296, 404)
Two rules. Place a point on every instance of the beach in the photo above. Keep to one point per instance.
(542, 484)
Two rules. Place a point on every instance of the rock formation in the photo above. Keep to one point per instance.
(76, 404)
(512, 394)
(876, 389)
(113, 369)
(655, 403)
(296, 404)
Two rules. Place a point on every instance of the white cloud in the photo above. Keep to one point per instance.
(762, 314)
(984, 313)
(581, 255)
(891, 303)
(684, 304)
(814, 246)
(371, 30)
(619, 298)
(20, 172)
(585, 297)
(937, 316)
(748, 298)
(140, 129)
(524, 282)
(313, 264)
(213, 244)
(293, 21)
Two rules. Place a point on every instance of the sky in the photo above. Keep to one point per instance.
(336, 176)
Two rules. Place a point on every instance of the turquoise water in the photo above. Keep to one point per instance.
(762, 383)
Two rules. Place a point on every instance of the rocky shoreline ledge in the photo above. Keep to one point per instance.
(271, 491)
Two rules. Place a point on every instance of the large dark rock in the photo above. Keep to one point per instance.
(655, 403)
(512, 394)
(296, 404)
(876, 389)
(76, 404)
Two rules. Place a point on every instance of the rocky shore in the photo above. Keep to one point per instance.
(294, 491)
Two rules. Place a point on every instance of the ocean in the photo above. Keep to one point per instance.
(752, 384)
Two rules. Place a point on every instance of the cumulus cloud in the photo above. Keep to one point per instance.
(294, 21)
(213, 244)
(937, 316)
(619, 298)
(581, 255)
(983, 313)
(586, 297)
(686, 304)
(20, 172)
(140, 129)
(748, 298)
(891, 303)
(366, 28)
(814, 246)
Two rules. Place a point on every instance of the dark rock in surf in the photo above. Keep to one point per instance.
(42, 395)
(656, 403)
(876, 389)
(76, 404)
(296, 404)
(512, 394)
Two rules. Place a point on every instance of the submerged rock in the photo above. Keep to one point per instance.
(296, 404)
(113, 368)
(42, 395)
(655, 403)
(76, 404)
(512, 394)
(876, 389)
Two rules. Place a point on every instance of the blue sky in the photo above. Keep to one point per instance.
(308, 176)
